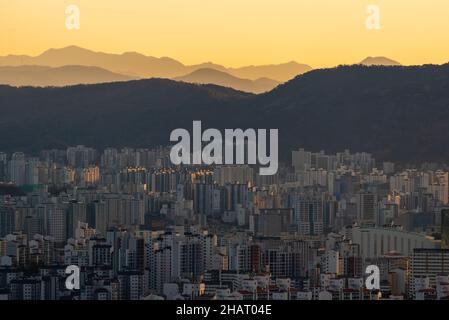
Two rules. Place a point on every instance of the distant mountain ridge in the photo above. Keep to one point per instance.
(279, 72)
(137, 65)
(396, 113)
(212, 76)
(133, 65)
(40, 76)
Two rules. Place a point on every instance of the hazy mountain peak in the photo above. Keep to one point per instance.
(379, 61)
(67, 50)
(211, 71)
(132, 53)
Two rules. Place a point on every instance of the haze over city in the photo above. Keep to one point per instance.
(201, 151)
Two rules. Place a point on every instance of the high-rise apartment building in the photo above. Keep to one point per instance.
(309, 214)
(7, 220)
(428, 263)
(16, 168)
(366, 207)
(445, 228)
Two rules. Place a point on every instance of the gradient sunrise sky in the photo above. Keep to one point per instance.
(234, 32)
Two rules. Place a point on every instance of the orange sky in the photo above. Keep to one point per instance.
(234, 32)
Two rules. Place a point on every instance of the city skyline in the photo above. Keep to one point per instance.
(224, 153)
(136, 227)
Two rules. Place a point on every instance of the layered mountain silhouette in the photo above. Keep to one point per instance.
(60, 76)
(130, 63)
(397, 113)
(133, 65)
(279, 72)
(137, 65)
(212, 76)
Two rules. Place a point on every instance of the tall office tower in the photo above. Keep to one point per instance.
(445, 228)
(7, 220)
(428, 263)
(76, 213)
(301, 160)
(56, 223)
(308, 214)
(3, 166)
(366, 207)
(17, 168)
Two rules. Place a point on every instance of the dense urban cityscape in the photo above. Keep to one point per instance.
(140, 228)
